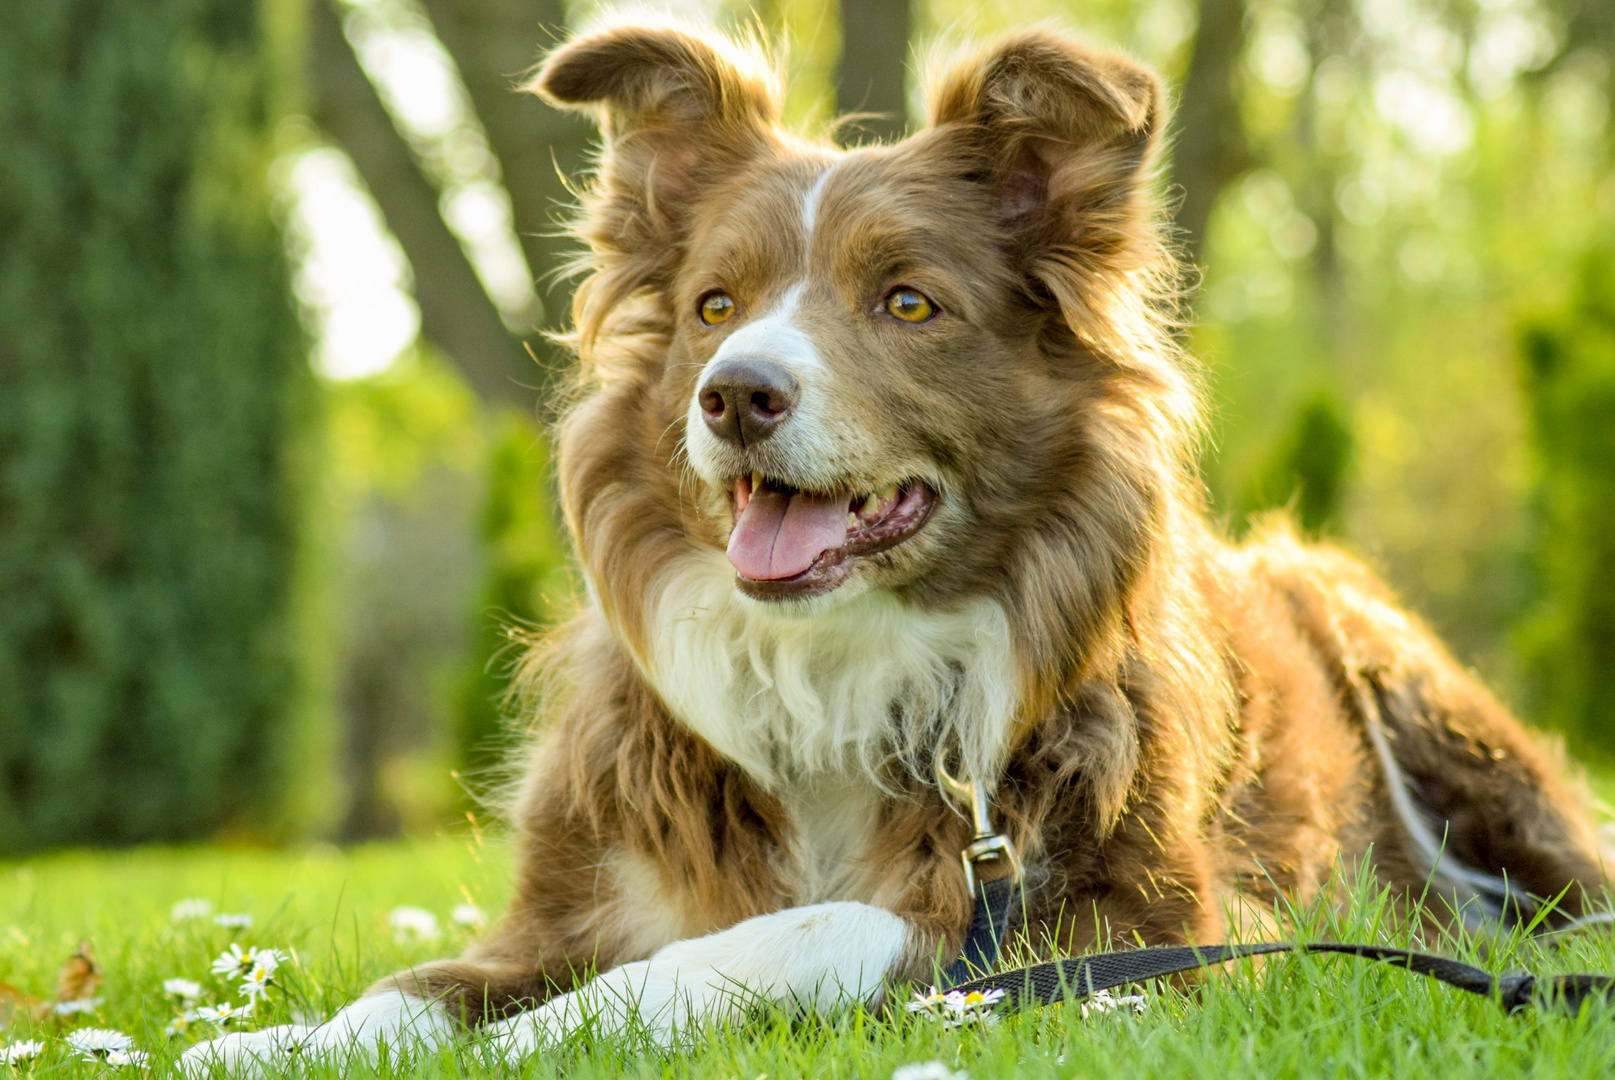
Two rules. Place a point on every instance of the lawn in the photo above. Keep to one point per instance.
(333, 913)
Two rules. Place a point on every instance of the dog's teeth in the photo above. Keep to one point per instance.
(871, 505)
(888, 492)
(756, 480)
(852, 520)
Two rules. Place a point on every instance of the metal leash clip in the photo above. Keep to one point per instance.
(988, 845)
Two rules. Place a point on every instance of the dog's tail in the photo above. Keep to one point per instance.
(1479, 898)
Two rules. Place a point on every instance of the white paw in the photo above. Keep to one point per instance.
(401, 1024)
(245, 1053)
(815, 958)
(635, 997)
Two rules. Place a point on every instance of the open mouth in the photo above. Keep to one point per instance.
(790, 543)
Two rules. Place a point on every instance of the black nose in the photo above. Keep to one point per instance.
(745, 400)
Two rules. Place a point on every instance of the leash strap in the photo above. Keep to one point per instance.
(1060, 980)
(985, 938)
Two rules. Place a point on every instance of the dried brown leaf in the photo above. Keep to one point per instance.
(16, 1005)
(79, 977)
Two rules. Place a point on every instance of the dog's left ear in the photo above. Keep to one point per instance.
(1065, 137)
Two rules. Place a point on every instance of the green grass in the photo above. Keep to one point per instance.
(1306, 1016)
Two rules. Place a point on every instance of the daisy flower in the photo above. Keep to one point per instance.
(973, 1007)
(957, 1007)
(225, 1013)
(18, 1052)
(928, 1070)
(93, 1044)
(181, 1024)
(262, 965)
(191, 908)
(80, 1005)
(184, 989)
(256, 982)
(1103, 1001)
(238, 963)
(468, 915)
(232, 963)
(412, 924)
(959, 1002)
(131, 1058)
(926, 1000)
(238, 920)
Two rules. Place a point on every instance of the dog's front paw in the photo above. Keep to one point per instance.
(519, 1037)
(637, 999)
(386, 1022)
(245, 1053)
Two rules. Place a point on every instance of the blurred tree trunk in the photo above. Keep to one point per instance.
(872, 77)
(1332, 27)
(495, 43)
(456, 313)
(1211, 148)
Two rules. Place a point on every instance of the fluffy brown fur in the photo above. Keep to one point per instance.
(1191, 718)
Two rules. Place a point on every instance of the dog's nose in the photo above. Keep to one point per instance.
(744, 400)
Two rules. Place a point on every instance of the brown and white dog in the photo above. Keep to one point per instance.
(885, 454)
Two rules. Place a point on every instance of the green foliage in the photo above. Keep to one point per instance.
(441, 548)
(1306, 468)
(405, 457)
(525, 582)
(1569, 372)
(152, 392)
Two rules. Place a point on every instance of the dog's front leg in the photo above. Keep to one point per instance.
(821, 957)
(384, 1020)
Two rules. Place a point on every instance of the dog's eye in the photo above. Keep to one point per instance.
(910, 306)
(716, 307)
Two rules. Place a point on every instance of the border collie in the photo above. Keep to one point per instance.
(882, 458)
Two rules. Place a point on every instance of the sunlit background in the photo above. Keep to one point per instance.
(296, 622)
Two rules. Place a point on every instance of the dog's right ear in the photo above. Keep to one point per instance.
(678, 111)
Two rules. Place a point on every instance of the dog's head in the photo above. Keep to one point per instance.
(895, 367)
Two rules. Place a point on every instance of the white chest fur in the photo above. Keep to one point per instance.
(800, 697)
(832, 822)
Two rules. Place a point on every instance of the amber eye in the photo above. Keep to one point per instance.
(910, 306)
(716, 307)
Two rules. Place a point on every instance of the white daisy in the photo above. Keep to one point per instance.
(80, 1005)
(238, 963)
(181, 1024)
(227, 1012)
(957, 1007)
(960, 1007)
(1103, 1001)
(95, 1043)
(958, 1001)
(256, 982)
(238, 920)
(18, 1052)
(192, 908)
(129, 1058)
(186, 990)
(412, 924)
(928, 1070)
(232, 963)
(468, 915)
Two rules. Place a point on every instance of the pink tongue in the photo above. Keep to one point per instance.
(779, 535)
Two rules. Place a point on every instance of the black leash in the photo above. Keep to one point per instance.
(985, 938)
(1061, 980)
